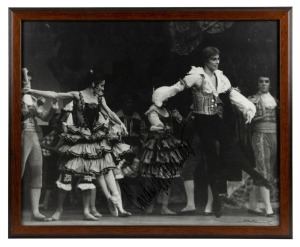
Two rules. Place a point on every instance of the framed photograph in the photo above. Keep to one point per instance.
(150, 123)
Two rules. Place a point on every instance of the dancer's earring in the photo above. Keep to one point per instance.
(94, 88)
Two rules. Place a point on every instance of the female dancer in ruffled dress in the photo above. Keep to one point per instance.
(162, 154)
(90, 147)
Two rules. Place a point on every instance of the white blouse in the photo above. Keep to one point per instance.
(198, 79)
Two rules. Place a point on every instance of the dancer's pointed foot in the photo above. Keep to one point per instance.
(166, 211)
(56, 216)
(90, 217)
(39, 217)
(112, 208)
(95, 213)
(188, 211)
(188, 208)
(117, 202)
(124, 213)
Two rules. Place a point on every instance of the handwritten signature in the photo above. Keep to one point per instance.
(269, 222)
(154, 185)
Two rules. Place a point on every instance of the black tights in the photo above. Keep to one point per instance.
(211, 129)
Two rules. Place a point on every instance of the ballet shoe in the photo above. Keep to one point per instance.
(207, 214)
(95, 213)
(90, 217)
(188, 212)
(166, 211)
(112, 208)
(115, 199)
(117, 202)
(256, 213)
(124, 213)
(40, 218)
(56, 216)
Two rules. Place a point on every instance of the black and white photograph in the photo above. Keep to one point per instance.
(146, 123)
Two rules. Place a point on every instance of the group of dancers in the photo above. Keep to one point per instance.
(91, 145)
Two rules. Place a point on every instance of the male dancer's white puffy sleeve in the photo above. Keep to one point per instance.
(194, 77)
(240, 101)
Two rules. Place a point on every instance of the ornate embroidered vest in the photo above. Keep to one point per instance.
(205, 103)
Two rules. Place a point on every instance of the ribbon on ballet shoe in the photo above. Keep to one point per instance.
(115, 199)
(112, 208)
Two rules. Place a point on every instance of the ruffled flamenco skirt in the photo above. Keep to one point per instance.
(162, 157)
(95, 152)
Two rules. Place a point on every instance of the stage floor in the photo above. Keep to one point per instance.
(230, 217)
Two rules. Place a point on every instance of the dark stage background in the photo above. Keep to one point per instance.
(137, 56)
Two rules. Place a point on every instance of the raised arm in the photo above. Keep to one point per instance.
(194, 77)
(54, 95)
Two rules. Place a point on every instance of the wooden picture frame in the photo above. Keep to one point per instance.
(283, 15)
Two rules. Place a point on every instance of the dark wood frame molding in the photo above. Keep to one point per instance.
(282, 15)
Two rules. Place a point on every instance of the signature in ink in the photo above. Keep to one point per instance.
(154, 185)
(269, 222)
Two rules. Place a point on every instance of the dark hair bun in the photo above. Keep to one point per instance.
(95, 76)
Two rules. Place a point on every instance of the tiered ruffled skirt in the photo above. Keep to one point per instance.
(92, 152)
(162, 157)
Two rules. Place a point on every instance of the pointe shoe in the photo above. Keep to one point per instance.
(56, 216)
(166, 211)
(117, 202)
(95, 213)
(124, 213)
(112, 208)
(90, 217)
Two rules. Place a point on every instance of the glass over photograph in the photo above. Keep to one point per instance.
(150, 123)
